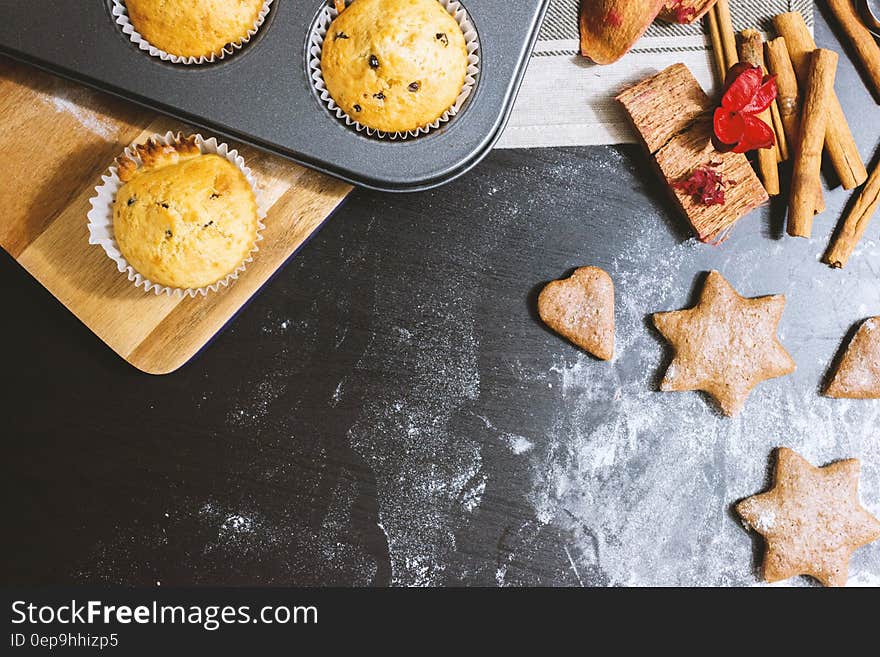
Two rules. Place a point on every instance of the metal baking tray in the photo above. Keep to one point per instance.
(262, 95)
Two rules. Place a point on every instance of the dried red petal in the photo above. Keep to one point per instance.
(735, 123)
(762, 99)
(704, 184)
(729, 126)
(681, 13)
(734, 72)
(757, 135)
(743, 89)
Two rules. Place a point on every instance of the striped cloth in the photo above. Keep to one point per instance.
(567, 101)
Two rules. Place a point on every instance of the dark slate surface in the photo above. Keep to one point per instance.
(389, 409)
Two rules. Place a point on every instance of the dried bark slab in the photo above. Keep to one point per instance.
(685, 11)
(581, 309)
(858, 375)
(609, 28)
(811, 519)
(672, 114)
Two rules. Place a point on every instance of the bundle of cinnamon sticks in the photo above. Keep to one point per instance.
(807, 117)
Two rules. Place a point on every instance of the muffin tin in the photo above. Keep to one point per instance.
(262, 94)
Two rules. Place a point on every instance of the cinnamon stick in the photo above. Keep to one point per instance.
(789, 99)
(788, 94)
(752, 52)
(822, 68)
(863, 42)
(728, 36)
(856, 222)
(839, 142)
(781, 139)
(721, 67)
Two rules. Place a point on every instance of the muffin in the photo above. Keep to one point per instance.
(394, 65)
(194, 28)
(183, 219)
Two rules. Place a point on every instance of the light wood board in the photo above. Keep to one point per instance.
(56, 140)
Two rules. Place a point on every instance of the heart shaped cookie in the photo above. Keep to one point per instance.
(609, 28)
(581, 309)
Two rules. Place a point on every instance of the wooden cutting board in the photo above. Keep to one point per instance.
(56, 139)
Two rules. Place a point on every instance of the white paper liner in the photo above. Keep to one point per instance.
(120, 13)
(316, 44)
(101, 218)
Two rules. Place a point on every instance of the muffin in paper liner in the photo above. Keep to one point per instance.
(316, 43)
(120, 15)
(100, 217)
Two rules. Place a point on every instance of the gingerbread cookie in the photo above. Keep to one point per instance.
(725, 345)
(858, 375)
(811, 519)
(581, 309)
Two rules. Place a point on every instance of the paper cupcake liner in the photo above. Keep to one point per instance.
(316, 44)
(101, 217)
(120, 13)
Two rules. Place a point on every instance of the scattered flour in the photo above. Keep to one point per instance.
(765, 522)
(86, 118)
(257, 402)
(73, 101)
(209, 542)
(518, 444)
(236, 524)
(337, 393)
(426, 469)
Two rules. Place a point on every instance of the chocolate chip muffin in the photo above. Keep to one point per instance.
(194, 28)
(183, 219)
(394, 65)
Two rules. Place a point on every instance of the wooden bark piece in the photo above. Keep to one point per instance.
(811, 519)
(858, 375)
(672, 113)
(581, 309)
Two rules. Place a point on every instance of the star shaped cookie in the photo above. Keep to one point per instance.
(725, 345)
(811, 519)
